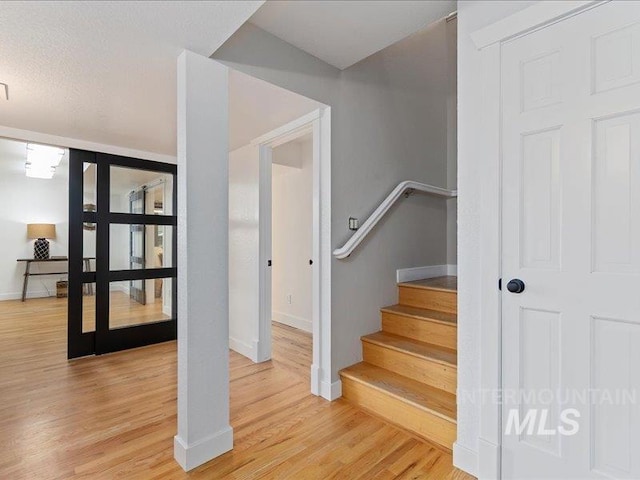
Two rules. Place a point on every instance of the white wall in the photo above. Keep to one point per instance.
(291, 206)
(243, 251)
(389, 124)
(472, 15)
(26, 200)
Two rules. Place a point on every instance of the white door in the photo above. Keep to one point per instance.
(571, 233)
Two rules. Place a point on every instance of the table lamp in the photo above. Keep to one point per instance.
(41, 231)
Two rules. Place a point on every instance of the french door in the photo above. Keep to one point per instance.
(123, 243)
(571, 248)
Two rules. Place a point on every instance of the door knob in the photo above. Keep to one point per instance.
(515, 286)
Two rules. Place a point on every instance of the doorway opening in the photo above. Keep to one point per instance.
(267, 125)
(292, 252)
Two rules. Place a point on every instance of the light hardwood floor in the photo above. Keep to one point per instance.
(115, 416)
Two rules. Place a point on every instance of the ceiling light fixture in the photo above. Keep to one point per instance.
(42, 160)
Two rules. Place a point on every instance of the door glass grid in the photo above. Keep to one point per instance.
(128, 292)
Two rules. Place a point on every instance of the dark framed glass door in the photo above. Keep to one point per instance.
(122, 253)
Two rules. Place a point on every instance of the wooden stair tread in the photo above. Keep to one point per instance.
(436, 401)
(409, 346)
(423, 314)
(443, 284)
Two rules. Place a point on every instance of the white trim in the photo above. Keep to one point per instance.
(537, 16)
(294, 129)
(265, 184)
(191, 456)
(30, 294)
(420, 273)
(331, 391)
(321, 308)
(491, 259)
(293, 321)
(249, 350)
(319, 123)
(488, 461)
(465, 459)
(407, 186)
(315, 379)
(66, 142)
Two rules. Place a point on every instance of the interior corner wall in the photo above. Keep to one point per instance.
(292, 237)
(389, 124)
(472, 15)
(31, 200)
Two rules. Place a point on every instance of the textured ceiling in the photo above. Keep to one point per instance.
(105, 71)
(344, 32)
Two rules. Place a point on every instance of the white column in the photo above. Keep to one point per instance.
(203, 307)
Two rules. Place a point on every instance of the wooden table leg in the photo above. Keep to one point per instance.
(25, 284)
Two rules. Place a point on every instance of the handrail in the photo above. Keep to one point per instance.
(407, 187)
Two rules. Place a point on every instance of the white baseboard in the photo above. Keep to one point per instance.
(194, 455)
(331, 391)
(30, 294)
(465, 459)
(249, 350)
(420, 273)
(292, 321)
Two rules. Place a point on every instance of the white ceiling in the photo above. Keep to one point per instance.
(344, 32)
(105, 71)
(257, 107)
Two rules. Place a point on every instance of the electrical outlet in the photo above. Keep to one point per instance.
(289, 299)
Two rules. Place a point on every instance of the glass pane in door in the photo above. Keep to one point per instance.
(125, 309)
(89, 182)
(141, 191)
(88, 307)
(133, 247)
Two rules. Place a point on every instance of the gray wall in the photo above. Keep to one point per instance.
(389, 123)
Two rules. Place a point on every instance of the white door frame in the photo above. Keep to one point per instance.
(489, 42)
(318, 123)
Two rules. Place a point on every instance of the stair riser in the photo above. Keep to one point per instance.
(421, 330)
(430, 299)
(418, 421)
(426, 371)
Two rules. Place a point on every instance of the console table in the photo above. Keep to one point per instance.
(28, 273)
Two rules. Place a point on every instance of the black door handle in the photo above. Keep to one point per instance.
(515, 286)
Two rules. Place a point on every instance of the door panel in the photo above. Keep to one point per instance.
(129, 299)
(571, 232)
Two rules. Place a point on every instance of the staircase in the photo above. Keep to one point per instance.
(409, 373)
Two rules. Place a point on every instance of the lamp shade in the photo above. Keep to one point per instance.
(41, 230)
